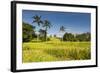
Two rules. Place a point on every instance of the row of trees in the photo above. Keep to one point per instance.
(77, 37)
(29, 34)
(74, 37)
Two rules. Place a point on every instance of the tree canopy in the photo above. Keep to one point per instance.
(77, 37)
(28, 32)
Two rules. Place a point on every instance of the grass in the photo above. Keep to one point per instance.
(55, 50)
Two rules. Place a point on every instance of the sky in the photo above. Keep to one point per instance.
(74, 22)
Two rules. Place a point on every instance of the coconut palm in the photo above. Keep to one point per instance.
(47, 25)
(37, 19)
(62, 29)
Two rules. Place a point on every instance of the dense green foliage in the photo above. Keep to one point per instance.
(28, 32)
(68, 37)
(83, 37)
(77, 37)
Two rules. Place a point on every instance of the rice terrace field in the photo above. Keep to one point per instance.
(55, 51)
(55, 36)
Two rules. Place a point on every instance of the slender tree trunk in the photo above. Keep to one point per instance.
(62, 37)
(37, 37)
(46, 34)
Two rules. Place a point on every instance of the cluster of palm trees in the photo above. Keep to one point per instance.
(44, 23)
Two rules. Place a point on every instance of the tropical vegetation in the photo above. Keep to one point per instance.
(41, 47)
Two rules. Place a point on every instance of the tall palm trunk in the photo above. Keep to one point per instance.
(62, 28)
(37, 19)
(37, 37)
(46, 34)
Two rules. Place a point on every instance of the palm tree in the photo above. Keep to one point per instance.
(47, 25)
(62, 29)
(37, 19)
(42, 34)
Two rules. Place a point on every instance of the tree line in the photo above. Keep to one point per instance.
(29, 34)
(77, 37)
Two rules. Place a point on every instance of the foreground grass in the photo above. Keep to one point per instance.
(55, 51)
